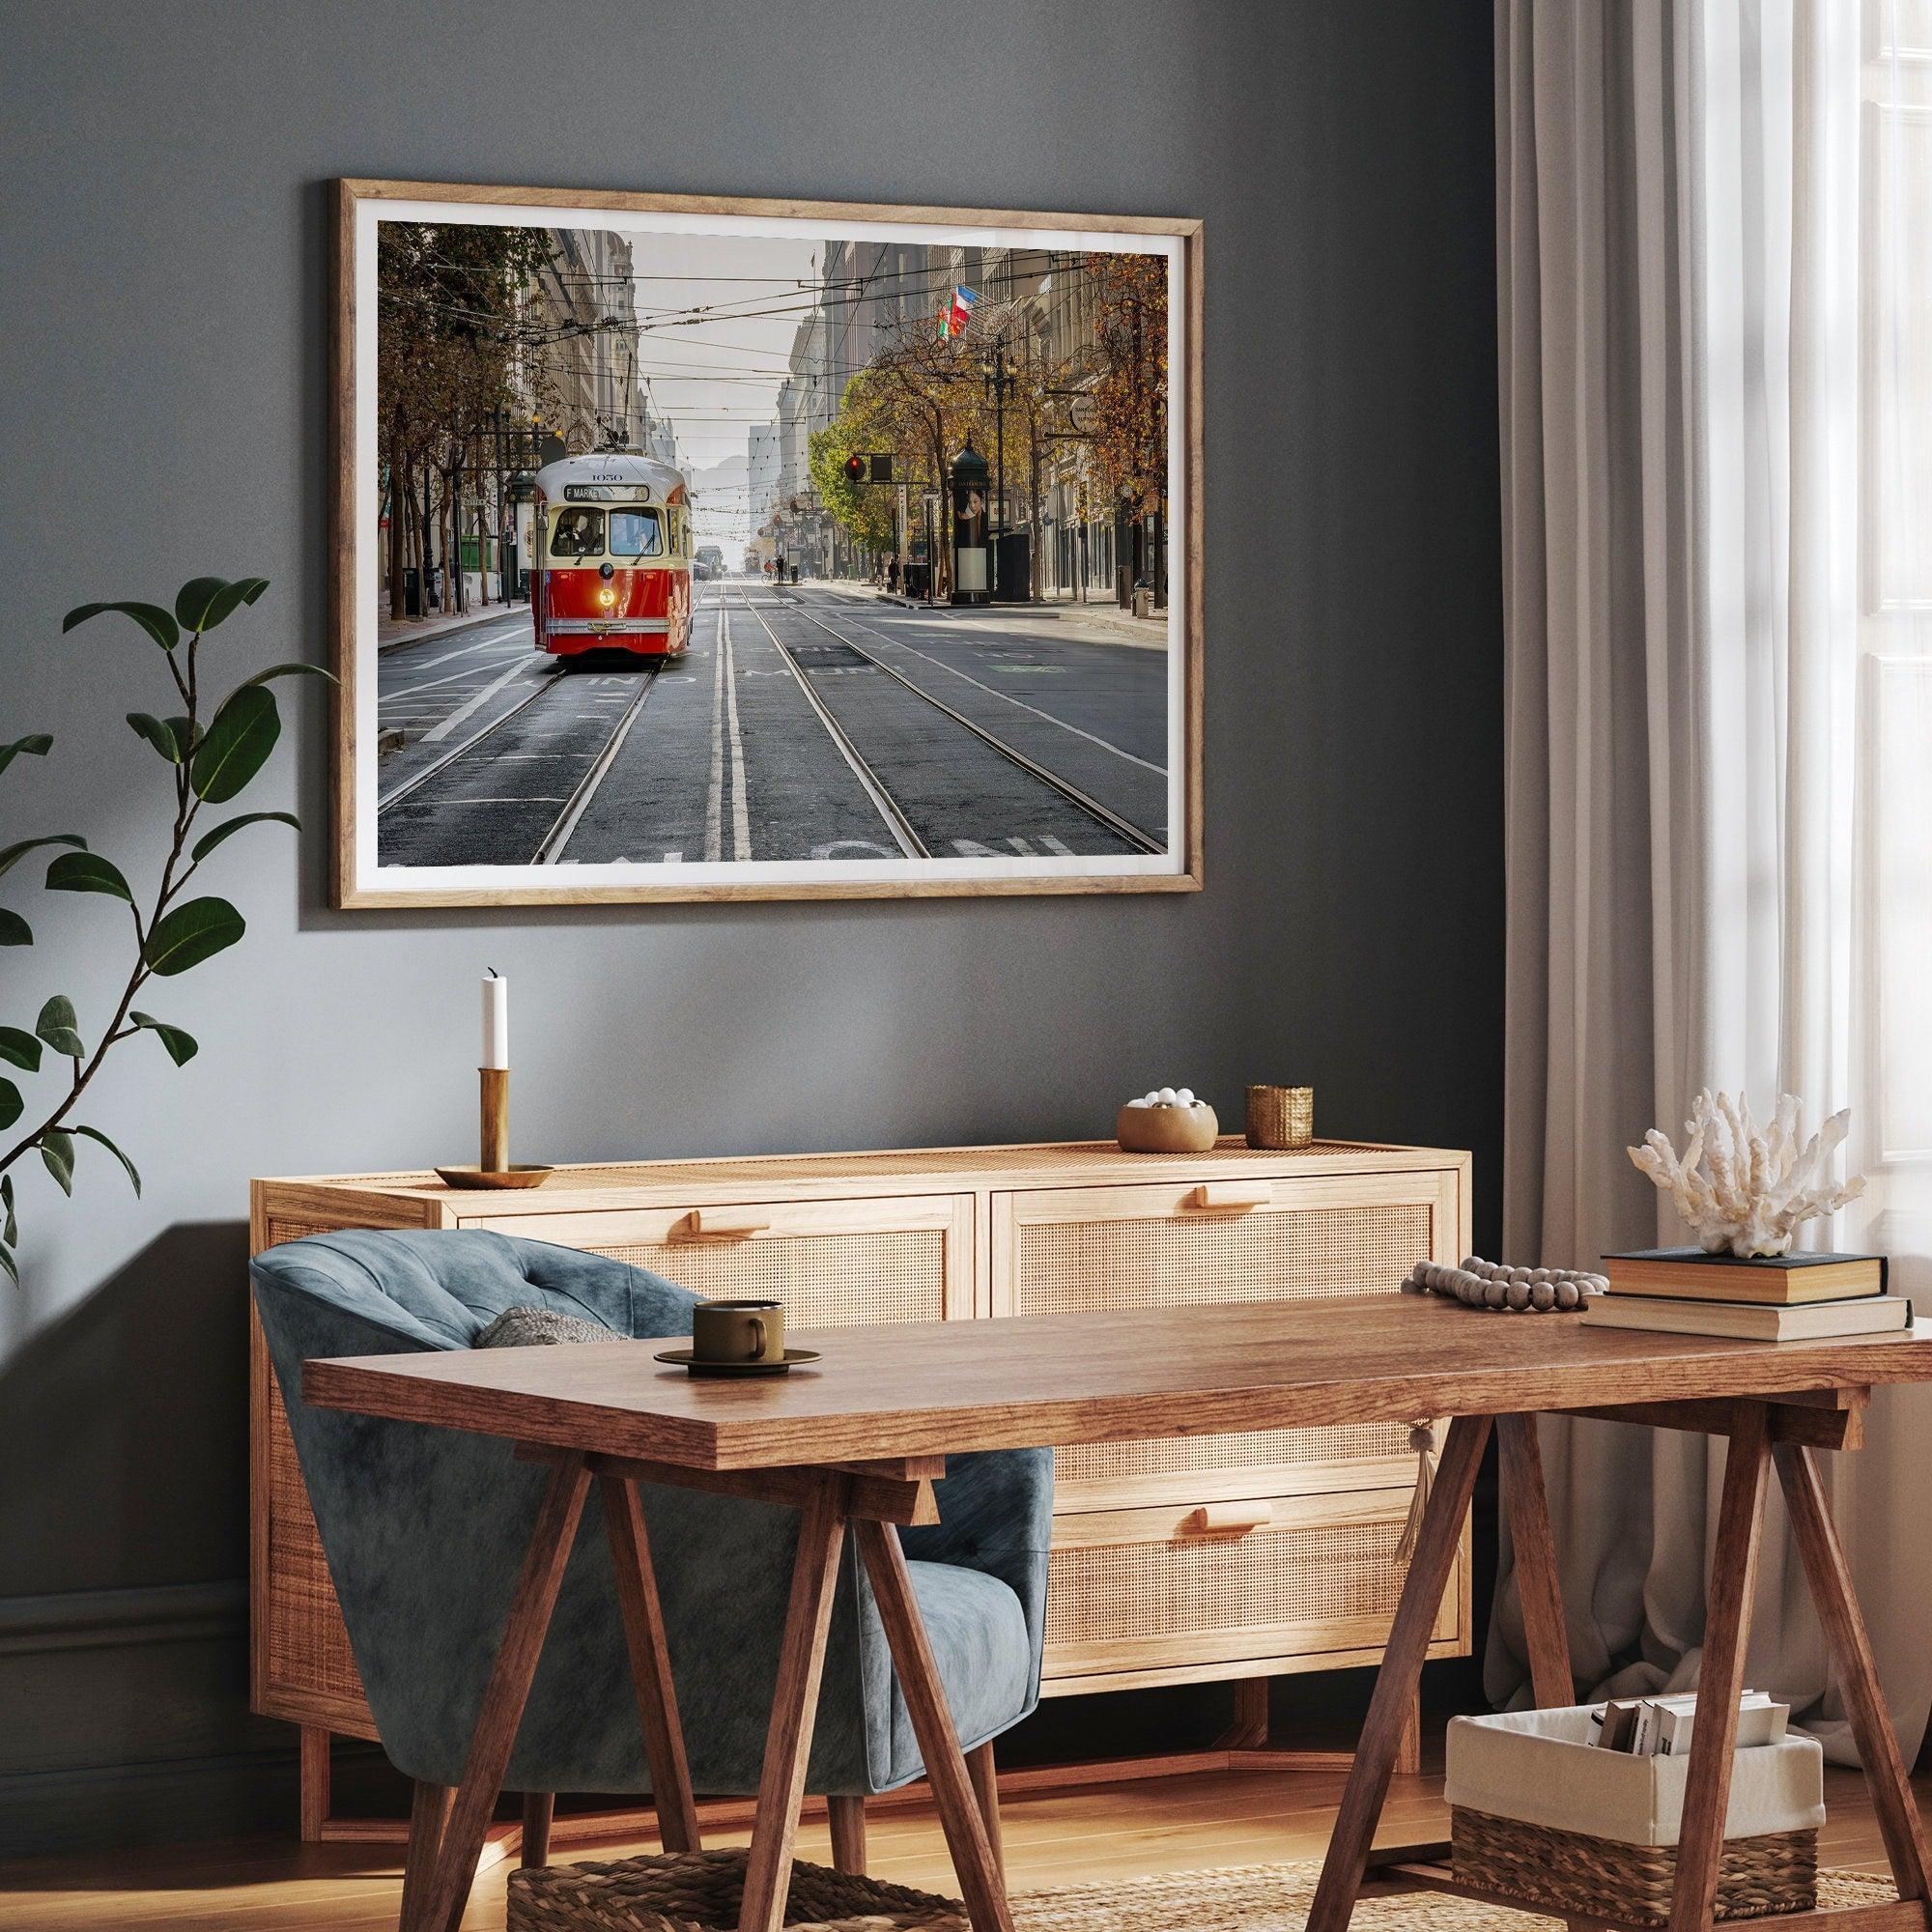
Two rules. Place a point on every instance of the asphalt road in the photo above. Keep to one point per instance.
(808, 724)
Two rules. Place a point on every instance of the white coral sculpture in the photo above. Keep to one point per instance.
(1745, 1189)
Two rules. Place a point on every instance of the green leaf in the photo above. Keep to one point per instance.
(37, 746)
(151, 618)
(10, 1229)
(12, 855)
(57, 1151)
(194, 598)
(240, 737)
(12, 1266)
(292, 670)
(13, 929)
(229, 599)
(56, 1025)
(95, 1134)
(10, 1103)
(20, 1047)
(182, 1046)
(209, 840)
(189, 934)
(187, 734)
(87, 872)
(158, 733)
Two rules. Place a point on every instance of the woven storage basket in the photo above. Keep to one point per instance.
(1540, 1814)
(701, 1892)
(1572, 1874)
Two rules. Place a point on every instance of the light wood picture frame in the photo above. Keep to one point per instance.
(694, 548)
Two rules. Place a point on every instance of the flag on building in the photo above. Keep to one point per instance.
(954, 321)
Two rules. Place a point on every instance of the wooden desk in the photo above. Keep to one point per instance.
(860, 1439)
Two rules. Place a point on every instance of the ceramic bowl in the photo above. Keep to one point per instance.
(1167, 1129)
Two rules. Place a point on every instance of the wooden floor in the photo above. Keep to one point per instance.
(1104, 1833)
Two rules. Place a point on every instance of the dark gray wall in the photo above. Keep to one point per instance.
(163, 303)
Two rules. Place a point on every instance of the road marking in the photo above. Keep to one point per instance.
(436, 683)
(741, 813)
(436, 734)
(490, 643)
(714, 796)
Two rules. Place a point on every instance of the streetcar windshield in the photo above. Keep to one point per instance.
(635, 533)
(577, 533)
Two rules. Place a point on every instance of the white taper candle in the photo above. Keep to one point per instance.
(495, 1021)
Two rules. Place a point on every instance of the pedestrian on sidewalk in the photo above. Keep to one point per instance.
(892, 576)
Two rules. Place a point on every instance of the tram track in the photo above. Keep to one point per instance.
(902, 829)
(1122, 828)
(420, 778)
(476, 754)
(550, 848)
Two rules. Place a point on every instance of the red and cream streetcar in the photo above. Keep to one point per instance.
(611, 541)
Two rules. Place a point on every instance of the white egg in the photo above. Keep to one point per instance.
(1167, 1096)
(1152, 1097)
(1137, 1104)
(1186, 1096)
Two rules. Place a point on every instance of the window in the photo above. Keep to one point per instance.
(577, 533)
(635, 533)
(1894, 792)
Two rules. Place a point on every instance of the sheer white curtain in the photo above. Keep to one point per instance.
(1716, 416)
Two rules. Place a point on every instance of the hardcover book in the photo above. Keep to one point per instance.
(1783, 1280)
(1866, 1315)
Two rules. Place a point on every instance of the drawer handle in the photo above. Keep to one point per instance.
(720, 1223)
(1232, 1194)
(1228, 1518)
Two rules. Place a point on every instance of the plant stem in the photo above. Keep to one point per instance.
(187, 805)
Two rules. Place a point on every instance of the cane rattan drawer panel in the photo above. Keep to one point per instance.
(1073, 1250)
(1137, 1592)
(829, 1262)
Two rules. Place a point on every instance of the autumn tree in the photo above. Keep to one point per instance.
(450, 326)
(864, 426)
(1128, 408)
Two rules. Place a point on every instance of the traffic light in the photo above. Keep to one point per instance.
(855, 469)
(869, 468)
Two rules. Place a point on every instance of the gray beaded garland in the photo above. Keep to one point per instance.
(1477, 1282)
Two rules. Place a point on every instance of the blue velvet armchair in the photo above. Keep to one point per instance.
(424, 1530)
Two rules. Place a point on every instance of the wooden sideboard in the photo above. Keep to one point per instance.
(1230, 1557)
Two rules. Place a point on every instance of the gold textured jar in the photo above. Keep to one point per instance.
(1281, 1117)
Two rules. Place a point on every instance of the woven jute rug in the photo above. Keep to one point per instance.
(1275, 1898)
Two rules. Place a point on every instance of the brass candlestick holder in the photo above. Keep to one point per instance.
(494, 1168)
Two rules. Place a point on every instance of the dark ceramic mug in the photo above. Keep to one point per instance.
(747, 1330)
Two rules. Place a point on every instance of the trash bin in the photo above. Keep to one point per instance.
(413, 591)
(1143, 600)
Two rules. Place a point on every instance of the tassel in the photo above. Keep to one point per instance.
(1423, 1439)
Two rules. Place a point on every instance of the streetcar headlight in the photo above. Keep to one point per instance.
(607, 597)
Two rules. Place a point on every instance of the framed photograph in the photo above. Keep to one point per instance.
(692, 548)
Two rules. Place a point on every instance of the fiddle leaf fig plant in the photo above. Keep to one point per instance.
(212, 754)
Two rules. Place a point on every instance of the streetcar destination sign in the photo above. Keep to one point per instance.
(607, 492)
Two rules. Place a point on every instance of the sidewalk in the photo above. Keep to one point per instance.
(393, 632)
(1147, 632)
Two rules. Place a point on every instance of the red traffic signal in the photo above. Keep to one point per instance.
(855, 469)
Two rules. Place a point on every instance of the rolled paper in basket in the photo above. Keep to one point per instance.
(1424, 1439)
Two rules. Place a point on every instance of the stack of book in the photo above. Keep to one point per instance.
(1756, 1298)
(1661, 1726)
